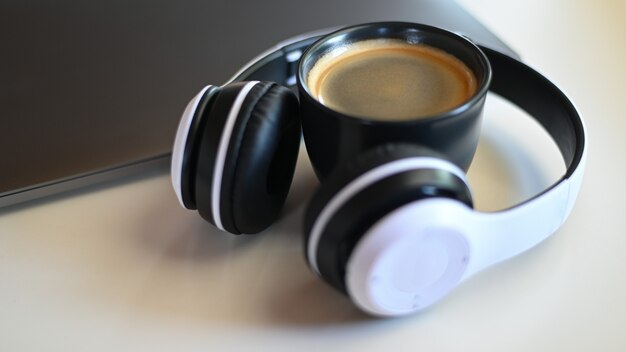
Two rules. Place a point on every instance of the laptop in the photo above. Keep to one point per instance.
(93, 91)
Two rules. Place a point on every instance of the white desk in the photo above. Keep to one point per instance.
(121, 267)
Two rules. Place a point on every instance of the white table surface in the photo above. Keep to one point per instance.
(121, 267)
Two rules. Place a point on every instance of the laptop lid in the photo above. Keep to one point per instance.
(92, 91)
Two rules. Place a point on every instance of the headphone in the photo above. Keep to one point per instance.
(394, 228)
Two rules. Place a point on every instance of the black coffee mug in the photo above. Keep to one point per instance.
(333, 137)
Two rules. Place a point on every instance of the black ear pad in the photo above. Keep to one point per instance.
(362, 210)
(260, 156)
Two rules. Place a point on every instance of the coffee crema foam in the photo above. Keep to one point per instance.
(390, 79)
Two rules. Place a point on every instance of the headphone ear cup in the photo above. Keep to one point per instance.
(353, 199)
(247, 156)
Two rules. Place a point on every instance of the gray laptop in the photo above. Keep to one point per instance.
(91, 91)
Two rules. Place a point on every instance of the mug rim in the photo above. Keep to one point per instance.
(448, 114)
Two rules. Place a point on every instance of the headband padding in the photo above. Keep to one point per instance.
(543, 100)
(358, 214)
(261, 159)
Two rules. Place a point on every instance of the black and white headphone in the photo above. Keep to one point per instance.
(394, 228)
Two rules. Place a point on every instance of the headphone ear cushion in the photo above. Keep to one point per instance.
(260, 173)
(365, 161)
(328, 246)
(248, 156)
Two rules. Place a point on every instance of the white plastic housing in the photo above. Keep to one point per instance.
(418, 253)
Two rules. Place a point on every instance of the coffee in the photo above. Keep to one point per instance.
(388, 79)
